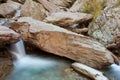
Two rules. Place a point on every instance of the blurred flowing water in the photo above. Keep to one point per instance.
(29, 67)
(112, 72)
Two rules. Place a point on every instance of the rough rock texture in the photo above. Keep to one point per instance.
(63, 4)
(79, 30)
(88, 71)
(5, 63)
(115, 45)
(33, 9)
(7, 36)
(106, 28)
(66, 19)
(59, 41)
(49, 6)
(8, 9)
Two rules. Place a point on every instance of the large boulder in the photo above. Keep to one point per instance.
(7, 36)
(106, 28)
(59, 41)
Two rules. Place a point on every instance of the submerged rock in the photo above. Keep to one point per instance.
(8, 9)
(66, 19)
(59, 41)
(7, 36)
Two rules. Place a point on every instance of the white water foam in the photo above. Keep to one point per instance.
(24, 61)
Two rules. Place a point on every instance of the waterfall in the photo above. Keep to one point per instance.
(23, 60)
(18, 49)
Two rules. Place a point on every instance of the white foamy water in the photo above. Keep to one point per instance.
(24, 61)
(28, 67)
(115, 67)
(18, 49)
(33, 62)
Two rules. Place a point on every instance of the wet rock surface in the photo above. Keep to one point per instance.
(8, 36)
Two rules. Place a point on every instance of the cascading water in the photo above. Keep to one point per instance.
(18, 49)
(23, 60)
(38, 68)
(28, 67)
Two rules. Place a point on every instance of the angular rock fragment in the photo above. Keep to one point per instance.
(88, 71)
(8, 9)
(63, 4)
(78, 6)
(33, 9)
(66, 19)
(8, 36)
(49, 6)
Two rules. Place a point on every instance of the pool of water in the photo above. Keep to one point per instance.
(43, 67)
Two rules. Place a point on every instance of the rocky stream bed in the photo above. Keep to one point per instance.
(56, 34)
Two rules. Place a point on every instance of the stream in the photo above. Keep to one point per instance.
(42, 67)
(46, 67)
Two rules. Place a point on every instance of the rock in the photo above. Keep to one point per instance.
(8, 9)
(59, 41)
(107, 26)
(66, 19)
(5, 63)
(88, 71)
(87, 6)
(34, 10)
(49, 6)
(63, 4)
(78, 6)
(93, 7)
(112, 3)
(7, 36)
(56, 5)
(115, 46)
(5, 68)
